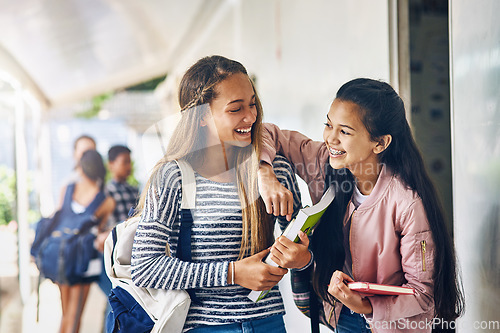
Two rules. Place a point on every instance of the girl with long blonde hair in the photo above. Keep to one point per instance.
(219, 135)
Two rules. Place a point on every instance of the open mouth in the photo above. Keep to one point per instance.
(335, 152)
(243, 130)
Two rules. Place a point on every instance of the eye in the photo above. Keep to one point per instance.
(328, 125)
(252, 105)
(235, 110)
(344, 132)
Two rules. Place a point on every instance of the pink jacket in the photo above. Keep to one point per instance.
(390, 238)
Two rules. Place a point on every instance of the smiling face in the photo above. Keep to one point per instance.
(233, 112)
(348, 141)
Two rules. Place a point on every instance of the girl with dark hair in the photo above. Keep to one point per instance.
(83, 198)
(219, 135)
(82, 144)
(386, 214)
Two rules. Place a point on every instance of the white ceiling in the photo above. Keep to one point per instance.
(64, 51)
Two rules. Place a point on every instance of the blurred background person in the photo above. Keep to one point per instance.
(125, 197)
(81, 195)
(124, 194)
(83, 143)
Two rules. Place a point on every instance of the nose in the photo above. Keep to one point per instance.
(250, 115)
(331, 136)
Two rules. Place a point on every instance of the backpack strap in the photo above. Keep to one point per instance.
(314, 310)
(188, 201)
(115, 239)
(188, 185)
(98, 200)
(187, 204)
(68, 196)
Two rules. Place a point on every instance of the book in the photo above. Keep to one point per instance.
(380, 289)
(306, 220)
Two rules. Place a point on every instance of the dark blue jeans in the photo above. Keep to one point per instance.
(273, 324)
(105, 285)
(351, 322)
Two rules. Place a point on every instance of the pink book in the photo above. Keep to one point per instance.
(380, 289)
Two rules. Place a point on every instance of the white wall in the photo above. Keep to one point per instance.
(475, 77)
(301, 52)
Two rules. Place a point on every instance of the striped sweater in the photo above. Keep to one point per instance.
(215, 241)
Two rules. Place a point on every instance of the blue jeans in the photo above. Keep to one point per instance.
(105, 285)
(351, 322)
(274, 324)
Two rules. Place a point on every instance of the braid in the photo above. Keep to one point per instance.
(202, 96)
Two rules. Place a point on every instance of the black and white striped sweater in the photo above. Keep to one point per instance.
(215, 241)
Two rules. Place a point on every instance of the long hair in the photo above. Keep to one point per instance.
(327, 241)
(93, 167)
(196, 91)
(382, 112)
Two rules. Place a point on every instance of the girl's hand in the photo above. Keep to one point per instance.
(288, 254)
(254, 274)
(277, 198)
(100, 240)
(352, 299)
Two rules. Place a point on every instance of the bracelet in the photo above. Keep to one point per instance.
(232, 272)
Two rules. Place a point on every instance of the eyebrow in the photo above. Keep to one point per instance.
(240, 100)
(341, 125)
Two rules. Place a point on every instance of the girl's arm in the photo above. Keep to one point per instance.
(307, 156)
(352, 299)
(103, 213)
(285, 252)
(158, 231)
(417, 257)
(288, 254)
(418, 268)
(152, 267)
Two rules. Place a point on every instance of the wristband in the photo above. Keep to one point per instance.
(232, 272)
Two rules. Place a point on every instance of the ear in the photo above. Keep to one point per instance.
(382, 143)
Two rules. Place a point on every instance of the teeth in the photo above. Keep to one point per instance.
(244, 131)
(335, 151)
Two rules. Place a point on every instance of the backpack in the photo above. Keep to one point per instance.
(137, 309)
(44, 228)
(64, 244)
